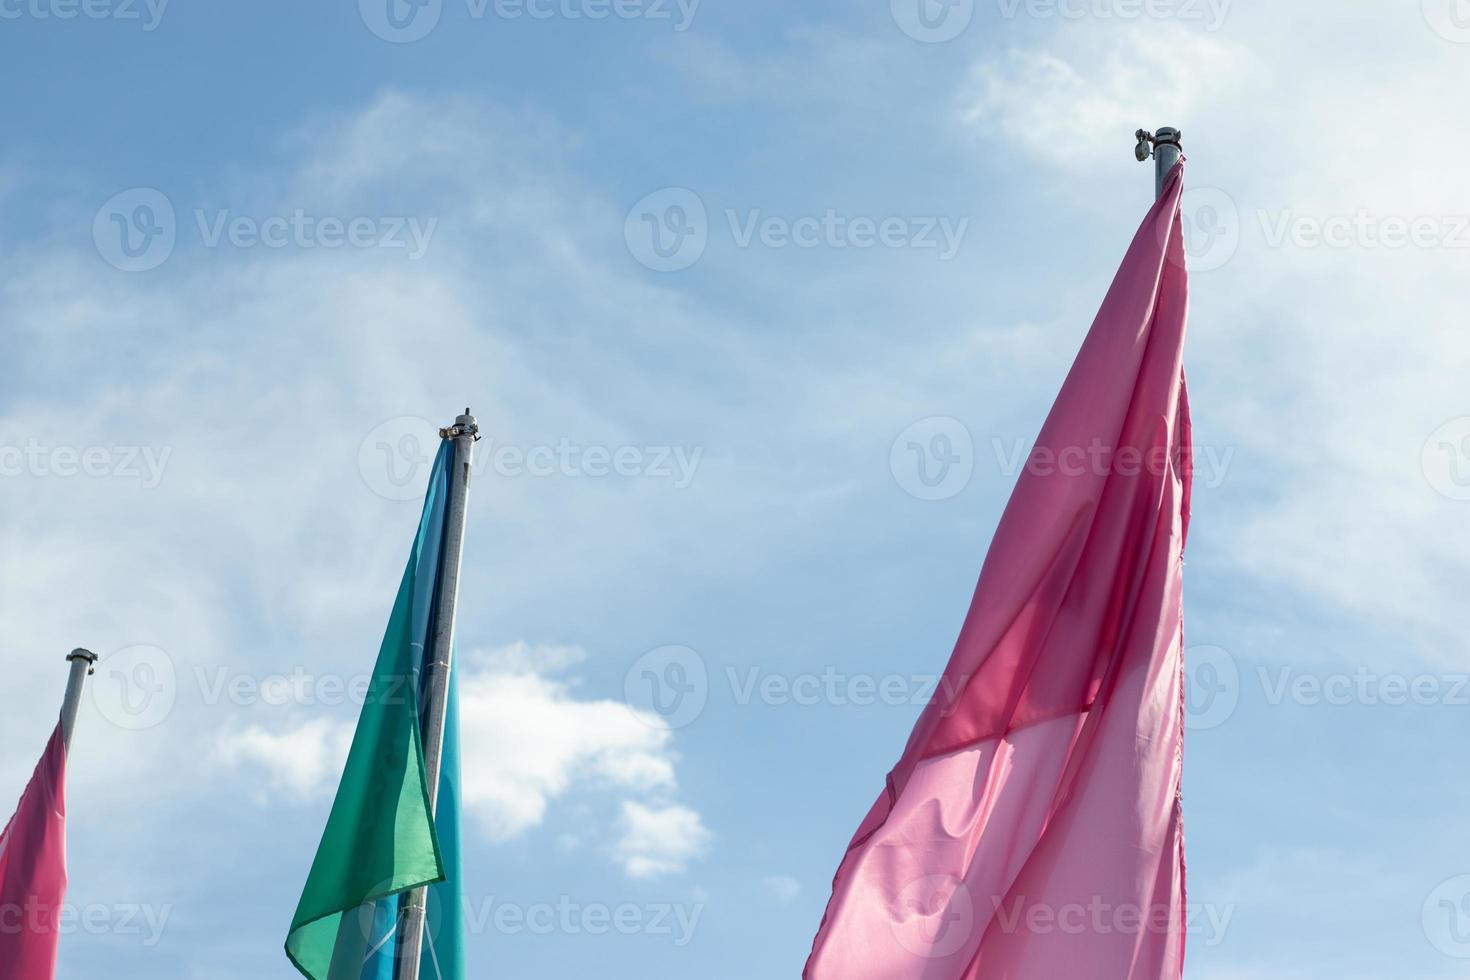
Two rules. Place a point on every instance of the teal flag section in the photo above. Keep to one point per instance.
(381, 839)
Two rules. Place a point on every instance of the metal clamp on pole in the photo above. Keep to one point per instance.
(1165, 146)
(465, 425)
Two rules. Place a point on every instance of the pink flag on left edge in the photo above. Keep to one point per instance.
(33, 872)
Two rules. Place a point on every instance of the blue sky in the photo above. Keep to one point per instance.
(868, 229)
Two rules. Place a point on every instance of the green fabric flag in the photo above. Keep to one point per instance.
(380, 839)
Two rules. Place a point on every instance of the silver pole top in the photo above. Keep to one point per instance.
(1150, 143)
(464, 425)
(87, 655)
(1165, 146)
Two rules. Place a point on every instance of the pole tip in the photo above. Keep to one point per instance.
(465, 425)
(1148, 142)
(81, 654)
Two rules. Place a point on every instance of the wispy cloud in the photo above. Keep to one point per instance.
(535, 743)
(1073, 98)
(660, 840)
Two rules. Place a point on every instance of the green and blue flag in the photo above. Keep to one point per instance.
(383, 838)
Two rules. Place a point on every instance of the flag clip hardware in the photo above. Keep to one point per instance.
(1166, 136)
(1147, 141)
(465, 425)
(1166, 146)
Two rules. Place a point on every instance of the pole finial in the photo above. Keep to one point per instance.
(465, 425)
(1149, 143)
(1166, 146)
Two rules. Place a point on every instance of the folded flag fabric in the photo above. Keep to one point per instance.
(382, 838)
(1032, 828)
(33, 871)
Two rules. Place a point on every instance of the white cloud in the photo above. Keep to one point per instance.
(534, 743)
(1077, 97)
(660, 840)
(303, 762)
(262, 547)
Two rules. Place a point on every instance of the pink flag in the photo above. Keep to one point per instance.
(33, 872)
(1031, 830)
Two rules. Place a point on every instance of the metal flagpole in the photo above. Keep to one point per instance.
(464, 432)
(81, 666)
(1166, 148)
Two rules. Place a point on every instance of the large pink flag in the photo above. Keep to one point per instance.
(1031, 830)
(33, 872)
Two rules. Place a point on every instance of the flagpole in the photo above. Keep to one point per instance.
(1166, 148)
(81, 666)
(464, 432)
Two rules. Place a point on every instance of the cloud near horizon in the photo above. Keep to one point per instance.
(536, 744)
